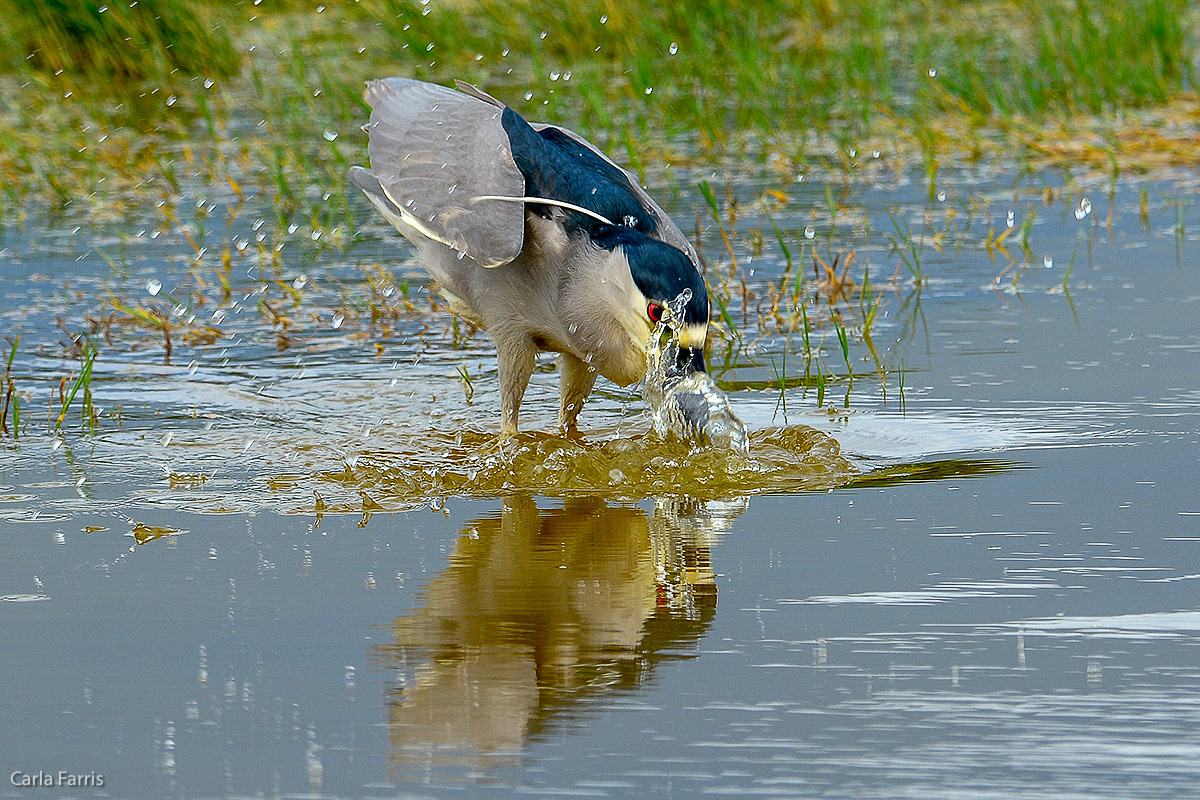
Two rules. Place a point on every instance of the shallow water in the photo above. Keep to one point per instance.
(307, 567)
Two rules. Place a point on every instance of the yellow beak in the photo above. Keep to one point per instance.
(693, 336)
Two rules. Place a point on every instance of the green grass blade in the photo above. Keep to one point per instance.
(84, 380)
(12, 354)
(706, 190)
(779, 237)
(724, 311)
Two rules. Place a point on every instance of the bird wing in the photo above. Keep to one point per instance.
(665, 229)
(435, 151)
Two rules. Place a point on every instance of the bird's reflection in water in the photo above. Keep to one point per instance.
(541, 610)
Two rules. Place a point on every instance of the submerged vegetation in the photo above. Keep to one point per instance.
(228, 130)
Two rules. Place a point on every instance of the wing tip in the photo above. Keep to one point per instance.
(479, 94)
(364, 179)
(378, 89)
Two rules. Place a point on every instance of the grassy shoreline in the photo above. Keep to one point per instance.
(717, 82)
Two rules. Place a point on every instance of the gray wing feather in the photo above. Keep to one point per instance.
(432, 150)
(366, 180)
(665, 228)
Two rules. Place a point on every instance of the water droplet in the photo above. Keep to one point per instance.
(875, 154)
(555, 75)
(55, 444)
(674, 48)
(166, 440)
(329, 135)
(567, 75)
(1080, 213)
(337, 321)
(504, 53)
(1085, 206)
(172, 100)
(810, 232)
(649, 89)
(542, 35)
(428, 47)
(154, 286)
(529, 95)
(1047, 262)
(941, 197)
(1012, 219)
(933, 73)
(208, 83)
(604, 19)
(192, 367)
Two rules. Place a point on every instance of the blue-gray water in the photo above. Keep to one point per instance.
(1002, 602)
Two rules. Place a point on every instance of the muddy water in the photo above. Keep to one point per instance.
(298, 563)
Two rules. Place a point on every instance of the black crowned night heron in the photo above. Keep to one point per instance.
(532, 234)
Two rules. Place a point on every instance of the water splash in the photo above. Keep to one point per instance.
(470, 463)
(685, 403)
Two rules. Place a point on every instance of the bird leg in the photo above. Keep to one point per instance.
(575, 382)
(514, 359)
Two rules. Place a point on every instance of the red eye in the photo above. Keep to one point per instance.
(654, 311)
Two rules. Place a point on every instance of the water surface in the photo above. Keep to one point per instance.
(298, 562)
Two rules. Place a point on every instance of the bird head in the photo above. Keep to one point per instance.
(660, 273)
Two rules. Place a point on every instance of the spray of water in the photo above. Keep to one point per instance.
(685, 403)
